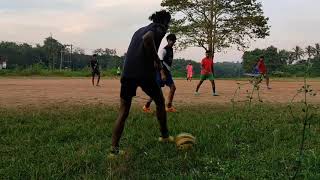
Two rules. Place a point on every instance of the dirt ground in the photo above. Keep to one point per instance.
(15, 92)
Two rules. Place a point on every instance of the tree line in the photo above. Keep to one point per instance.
(50, 54)
(285, 62)
(53, 55)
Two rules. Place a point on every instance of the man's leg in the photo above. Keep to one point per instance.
(213, 87)
(98, 79)
(153, 90)
(146, 108)
(267, 81)
(199, 84)
(92, 79)
(149, 102)
(120, 122)
(171, 95)
(162, 115)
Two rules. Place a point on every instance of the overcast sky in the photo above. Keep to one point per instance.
(92, 24)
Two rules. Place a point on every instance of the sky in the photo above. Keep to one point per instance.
(92, 24)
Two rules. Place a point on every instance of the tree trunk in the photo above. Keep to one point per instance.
(212, 27)
(210, 31)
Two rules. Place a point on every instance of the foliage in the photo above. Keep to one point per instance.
(23, 58)
(216, 24)
(283, 63)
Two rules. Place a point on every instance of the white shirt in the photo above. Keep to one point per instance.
(162, 53)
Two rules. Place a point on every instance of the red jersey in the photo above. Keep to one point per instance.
(262, 67)
(206, 66)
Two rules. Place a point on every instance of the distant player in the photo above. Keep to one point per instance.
(189, 72)
(118, 71)
(95, 69)
(261, 67)
(207, 72)
(140, 67)
(166, 57)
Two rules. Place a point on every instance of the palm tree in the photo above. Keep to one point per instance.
(317, 50)
(298, 53)
(310, 51)
(285, 57)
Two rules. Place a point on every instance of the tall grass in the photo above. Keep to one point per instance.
(73, 142)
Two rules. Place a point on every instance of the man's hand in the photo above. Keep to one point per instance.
(163, 75)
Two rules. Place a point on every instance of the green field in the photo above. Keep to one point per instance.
(73, 143)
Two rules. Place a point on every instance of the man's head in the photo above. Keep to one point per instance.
(162, 18)
(94, 56)
(171, 38)
(261, 58)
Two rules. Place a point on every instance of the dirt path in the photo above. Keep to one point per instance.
(42, 92)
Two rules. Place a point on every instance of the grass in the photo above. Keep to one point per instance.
(53, 73)
(73, 142)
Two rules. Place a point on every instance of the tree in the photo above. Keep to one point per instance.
(298, 53)
(310, 51)
(78, 50)
(52, 48)
(216, 24)
(317, 50)
(275, 60)
(105, 52)
(250, 58)
(110, 52)
(286, 56)
(99, 51)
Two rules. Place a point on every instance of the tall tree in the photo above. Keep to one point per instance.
(310, 51)
(53, 48)
(298, 53)
(98, 51)
(317, 50)
(110, 52)
(216, 24)
(286, 56)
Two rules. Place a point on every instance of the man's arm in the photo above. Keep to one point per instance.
(149, 44)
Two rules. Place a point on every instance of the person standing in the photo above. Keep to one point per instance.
(263, 70)
(189, 72)
(95, 69)
(140, 67)
(166, 58)
(207, 72)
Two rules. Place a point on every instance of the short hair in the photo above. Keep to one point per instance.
(261, 57)
(160, 17)
(172, 37)
(94, 55)
(208, 51)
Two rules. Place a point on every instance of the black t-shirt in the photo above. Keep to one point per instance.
(94, 65)
(138, 64)
(168, 58)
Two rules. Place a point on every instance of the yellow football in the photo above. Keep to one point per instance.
(185, 141)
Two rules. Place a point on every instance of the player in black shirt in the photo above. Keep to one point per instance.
(140, 67)
(95, 69)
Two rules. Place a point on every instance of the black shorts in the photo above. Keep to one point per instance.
(149, 86)
(95, 72)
